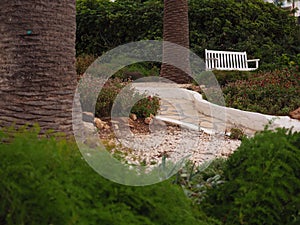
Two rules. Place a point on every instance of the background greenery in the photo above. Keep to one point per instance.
(262, 29)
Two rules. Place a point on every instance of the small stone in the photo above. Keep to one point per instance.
(111, 142)
(148, 120)
(106, 127)
(133, 116)
(99, 123)
(295, 114)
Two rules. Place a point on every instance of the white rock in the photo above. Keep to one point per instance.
(133, 116)
(99, 123)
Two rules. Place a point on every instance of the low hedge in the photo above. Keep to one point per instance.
(262, 182)
(46, 181)
(273, 93)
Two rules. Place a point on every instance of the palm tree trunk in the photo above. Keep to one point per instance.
(37, 63)
(176, 30)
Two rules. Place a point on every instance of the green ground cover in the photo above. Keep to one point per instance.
(46, 181)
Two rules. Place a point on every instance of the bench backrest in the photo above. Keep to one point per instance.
(225, 60)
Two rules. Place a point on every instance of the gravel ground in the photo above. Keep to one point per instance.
(173, 143)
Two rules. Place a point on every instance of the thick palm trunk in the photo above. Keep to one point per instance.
(37, 63)
(176, 30)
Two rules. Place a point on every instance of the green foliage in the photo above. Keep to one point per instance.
(226, 77)
(83, 62)
(138, 70)
(46, 181)
(196, 181)
(103, 25)
(262, 29)
(270, 92)
(236, 133)
(288, 61)
(262, 184)
(144, 104)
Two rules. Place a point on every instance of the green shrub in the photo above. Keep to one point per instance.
(236, 133)
(262, 29)
(83, 62)
(146, 106)
(46, 181)
(196, 181)
(225, 77)
(237, 25)
(138, 70)
(272, 93)
(103, 25)
(107, 96)
(285, 61)
(262, 182)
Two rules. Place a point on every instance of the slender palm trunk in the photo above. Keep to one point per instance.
(37, 63)
(176, 30)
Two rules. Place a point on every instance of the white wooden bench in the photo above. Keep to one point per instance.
(228, 60)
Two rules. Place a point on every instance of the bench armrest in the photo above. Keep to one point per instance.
(254, 60)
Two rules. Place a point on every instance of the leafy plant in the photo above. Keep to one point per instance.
(117, 23)
(83, 62)
(138, 70)
(266, 92)
(262, 29)
(144, 106)
(46, 181)
(236, 133)
(262, 184)
(226, 77)
(196, 181)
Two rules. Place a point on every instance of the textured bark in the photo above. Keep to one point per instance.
(37, 63)
(176, 30)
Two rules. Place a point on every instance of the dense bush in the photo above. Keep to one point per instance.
(103, 25)
(107, 97)
(270, 92)
(262, 182)
(83, 62)
(146, 106)
(262, 29)
(138, 70)
(46, 181)
(226, 77)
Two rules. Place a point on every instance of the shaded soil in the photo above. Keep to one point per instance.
(137, 127)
